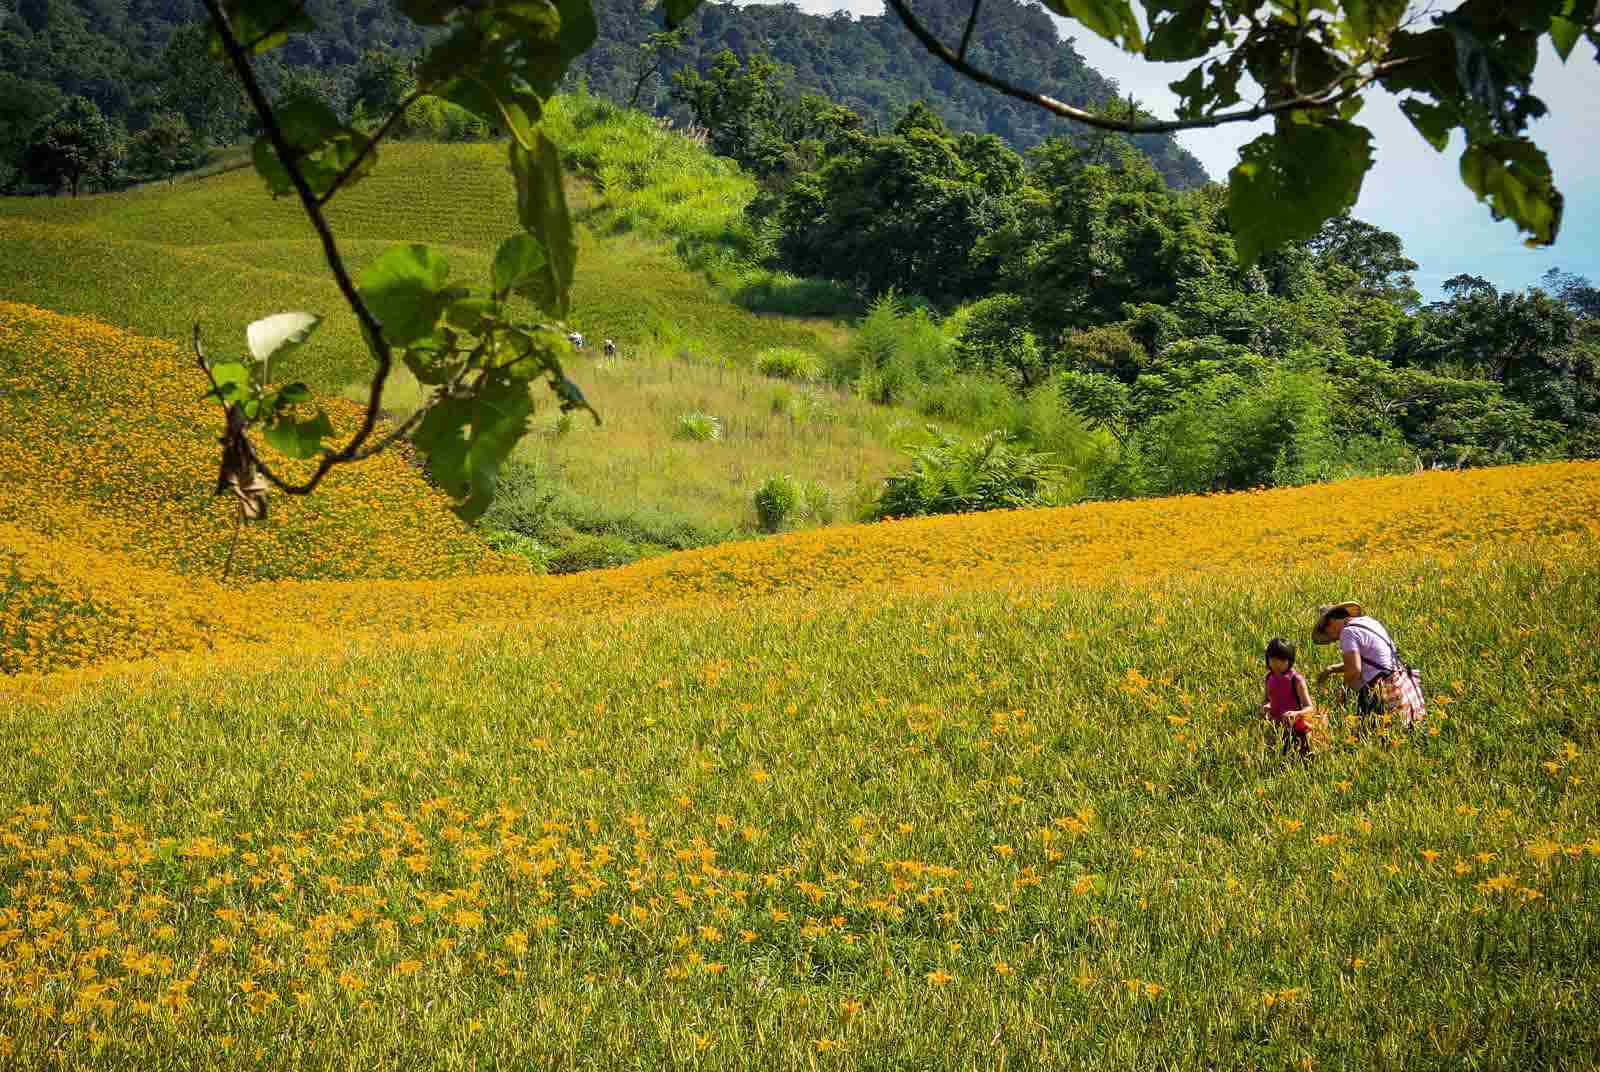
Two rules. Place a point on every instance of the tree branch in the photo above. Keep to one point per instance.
(1344, 88)
(371, 329)
(200, 359)
(369, 148)
(966, 36)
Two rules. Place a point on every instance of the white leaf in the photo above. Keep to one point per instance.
(276, 334)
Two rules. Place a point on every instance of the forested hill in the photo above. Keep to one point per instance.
(126, 57)
(873, 65)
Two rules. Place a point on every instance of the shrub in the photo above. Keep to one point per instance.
(779, 500)
(698, 427)
(537, 554)
(637, 523)
(586, 551)
(955, 477)
(436, 119)
(763, 291)
(896, 347)
(802, 407)
(521, 502)
(789, 363)
(818, 502)
(972, 400)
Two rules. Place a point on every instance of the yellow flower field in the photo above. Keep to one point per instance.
(117, 546)
(107, 443)
(941, 831)
(966, 792)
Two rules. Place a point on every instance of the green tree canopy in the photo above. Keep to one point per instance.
(75, 144)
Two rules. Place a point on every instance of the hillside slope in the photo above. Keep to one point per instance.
(864, 821)
(221, 252)
(1342, 527)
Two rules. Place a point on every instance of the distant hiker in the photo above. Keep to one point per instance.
(1371, 662)
(1288, 698)
(610, 348)
(577, 340)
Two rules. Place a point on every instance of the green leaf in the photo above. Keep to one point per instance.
(527, 352)
(432, 365)
(469, 314)
(1565, 34)
(499, 421)
(518, 258)
(466, 439)
(507, 57)
(1188, 32)
(571, 396)
(441, 437)
(520, 110)
(1199, 97)
(1367, 19)
(405, 289)
(233, 381)
(578, 28)
(293, 394)
(1513, 176)
(298, 439)
(279, 334)
(678, 10)
(321, 147)
(274, 402)
(1433, 121)
(262, 25)
(1422, 63)
(542, 209)
(1112, 19)
(1287, 184)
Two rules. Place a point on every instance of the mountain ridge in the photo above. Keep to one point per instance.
(128, 58)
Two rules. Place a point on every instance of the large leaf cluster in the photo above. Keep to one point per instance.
(499, 59)
(1465, 72)
(955, 476)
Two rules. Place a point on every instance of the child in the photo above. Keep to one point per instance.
(1288, 699)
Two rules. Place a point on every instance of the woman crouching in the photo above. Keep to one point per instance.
(1371, 663)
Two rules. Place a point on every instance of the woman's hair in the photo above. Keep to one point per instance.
(1337, 614)
(1279, 648)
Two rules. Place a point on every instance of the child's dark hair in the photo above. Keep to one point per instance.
(1279, 648)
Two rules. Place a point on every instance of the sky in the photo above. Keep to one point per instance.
(1411, 190)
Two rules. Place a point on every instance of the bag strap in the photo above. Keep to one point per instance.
(1394, 653)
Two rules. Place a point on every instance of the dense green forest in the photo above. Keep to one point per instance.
(157, 101)
(1074, 279)
(873, 67)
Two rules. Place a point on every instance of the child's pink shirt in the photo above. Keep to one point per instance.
(1281, 693)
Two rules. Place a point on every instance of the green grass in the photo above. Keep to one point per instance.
(855, 812)
(220, 252)
(638, 463)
